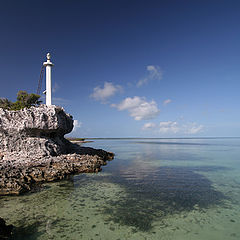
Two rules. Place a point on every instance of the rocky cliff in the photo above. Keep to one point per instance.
(36, 130)
(33, 149)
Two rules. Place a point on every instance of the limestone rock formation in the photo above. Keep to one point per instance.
(36, 130)
(33, 149)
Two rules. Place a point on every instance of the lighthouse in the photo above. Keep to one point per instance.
(48, 64)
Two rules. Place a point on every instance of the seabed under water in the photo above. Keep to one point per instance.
(171, 189)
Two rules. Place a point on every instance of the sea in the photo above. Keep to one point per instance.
(169, 189)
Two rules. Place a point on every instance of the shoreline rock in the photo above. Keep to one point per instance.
(33, 149)
(22, 175)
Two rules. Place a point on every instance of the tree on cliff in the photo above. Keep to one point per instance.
(24, 100)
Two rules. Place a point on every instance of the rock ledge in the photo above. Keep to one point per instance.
(33, 149)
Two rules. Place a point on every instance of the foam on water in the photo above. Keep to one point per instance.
(154, 189)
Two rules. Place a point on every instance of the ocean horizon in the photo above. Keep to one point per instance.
(100, 138)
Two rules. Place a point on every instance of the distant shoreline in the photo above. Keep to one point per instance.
(122, 138)
(79, 140)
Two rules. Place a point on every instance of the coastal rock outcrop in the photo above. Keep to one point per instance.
(33, 149)
(36, 130)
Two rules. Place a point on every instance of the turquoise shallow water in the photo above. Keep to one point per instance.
(154, 189)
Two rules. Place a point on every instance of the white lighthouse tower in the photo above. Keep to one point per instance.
(48, 64)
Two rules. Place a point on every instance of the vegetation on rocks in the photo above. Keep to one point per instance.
(24, 100)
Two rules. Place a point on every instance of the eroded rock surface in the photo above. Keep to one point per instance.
(33, 149)
(36, 130)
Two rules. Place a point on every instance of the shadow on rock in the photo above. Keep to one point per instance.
(5, 230)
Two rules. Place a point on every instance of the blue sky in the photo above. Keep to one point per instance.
(129, 68)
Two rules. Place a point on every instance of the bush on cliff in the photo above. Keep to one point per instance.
(24, 100)
(5, 103)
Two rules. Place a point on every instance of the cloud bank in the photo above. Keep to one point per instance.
(138, 108)
(173, 127)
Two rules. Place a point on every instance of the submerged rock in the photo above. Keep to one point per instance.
(33, 149)
(5, 230)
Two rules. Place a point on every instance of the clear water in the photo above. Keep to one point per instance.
(154, 189)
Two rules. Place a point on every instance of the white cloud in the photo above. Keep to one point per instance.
(102, 94)
(193, 128)
(168, 127)
(154, 73)
(148, 125)
(167, 101)
(76, 125)
(138, 108)
(173, 127)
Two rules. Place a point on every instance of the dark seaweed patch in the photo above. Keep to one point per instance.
(27, 231)
(166, 190)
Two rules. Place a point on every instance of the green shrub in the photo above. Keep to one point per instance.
(24, 100)
(5, 103)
